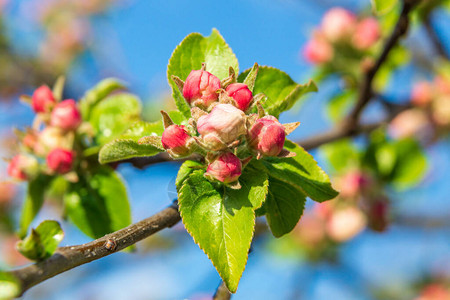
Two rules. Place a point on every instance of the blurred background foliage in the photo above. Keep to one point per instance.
(386, 236)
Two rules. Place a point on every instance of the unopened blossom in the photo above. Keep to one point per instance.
(367, 33)
(23, 167)
(338, 23)
(411, 122)
(353, 183)
(267, 136)
(200, 88)
(241, 94)
(66, 115)
(60, 161)
(422, 93)
(177, 140)
(51, 138)
(226, 168)
(318, 51)
(345, 224)
(222, 126)
(43, 100)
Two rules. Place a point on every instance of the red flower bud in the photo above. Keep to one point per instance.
(222, 126)
(201, 88)
(241, 94)
(42, 99)
(367, 33)
(267, 136)
(66, 115)
(60, 160)
(226, 168)
(23, 167)
(176, 140)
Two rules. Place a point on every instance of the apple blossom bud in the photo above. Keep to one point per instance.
(66, 115)
(222, 126)
(200, 88)
(367, 33)
(411, 122)
(51, 138)
(60, 160)
(23, 167)
(226, 168)
(353, 183)
(267, 136)
(43, 99)
(422, 93)
(241, 94)
(338, 24)
(176, 140)
(345, 224)
(318, 51)
(30, 140)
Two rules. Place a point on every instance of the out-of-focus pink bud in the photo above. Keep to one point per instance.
(441, 110)
(176, 140)
(318, 51)
(30, 140)
(226, 168)
(241, 94)
(222, 126)
(60, 161)
(267, 136)
(51, 138)
(378, 215)
(23, 167)
(412, 122)
(434, 291)
(422, 93)
(66, 115)
(9, 252)
(7, 193)
(338, 24)
(43, 99)
(345, 224)
(353, 183)
(310, 231)
(200, 88)
(367, 33)
(442, 84)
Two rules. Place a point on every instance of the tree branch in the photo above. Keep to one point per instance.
(222, 292)
(366, 90)
(434, 37)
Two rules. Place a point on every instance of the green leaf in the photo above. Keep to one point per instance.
(111, 117)
(251, 77)
(98, 203)
(302, 172)
(221, 220)
(281, 91)
(97, 94)
(189, 55)
(141, 128)
(411, 164)
(339, 105)
(42, 242)
(283, 207)
(381, 7)
(118, 150)
(33, 202)
(185, 170)
(9, 286)
(342, 155)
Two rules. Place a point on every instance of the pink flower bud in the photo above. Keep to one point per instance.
(422, 93)
(226, 168)
(201, 88)
(367, 33)
(318, 51)
(222, 126)
(51, 138)
(345, 224)
(353, 183)
(66, 115)
(241, 94)
(23, 167)
(60, 160)
(411, 122)
(42, 99)
(176, 140)
(338, 24)
(267, 136)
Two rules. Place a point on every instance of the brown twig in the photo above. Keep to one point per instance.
(366, 89)
(222, 292)
(434, 37)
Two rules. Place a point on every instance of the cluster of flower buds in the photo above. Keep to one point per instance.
(223, 127)
(430, 115)
(341, 27)
(51, 140)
